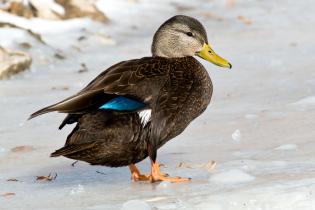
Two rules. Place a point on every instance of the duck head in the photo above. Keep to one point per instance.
(182, 36)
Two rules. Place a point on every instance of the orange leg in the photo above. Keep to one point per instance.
(157, 175)
(136, 175)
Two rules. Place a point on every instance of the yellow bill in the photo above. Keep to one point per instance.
(208, 54)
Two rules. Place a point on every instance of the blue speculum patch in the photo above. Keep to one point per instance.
(121, 103)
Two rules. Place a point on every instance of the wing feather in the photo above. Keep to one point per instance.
(140, 79)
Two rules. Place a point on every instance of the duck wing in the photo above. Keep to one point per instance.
(138, 79)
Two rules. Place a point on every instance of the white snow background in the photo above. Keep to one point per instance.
(259, 128)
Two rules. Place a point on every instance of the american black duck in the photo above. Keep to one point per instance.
(134, 107)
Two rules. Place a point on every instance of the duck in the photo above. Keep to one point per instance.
(134, 107)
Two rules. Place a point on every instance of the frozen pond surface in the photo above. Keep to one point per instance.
(259, 127)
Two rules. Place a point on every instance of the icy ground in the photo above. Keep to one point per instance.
(259, 128)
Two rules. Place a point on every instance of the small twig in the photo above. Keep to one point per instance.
(12, 180)
(101, 173)
(29, 31)
(72, 164)
(162, 165)
(8, 194)
(46, 178)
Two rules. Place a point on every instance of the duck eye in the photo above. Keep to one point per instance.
(189, 34)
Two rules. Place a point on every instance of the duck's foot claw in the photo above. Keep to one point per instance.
(163, 174)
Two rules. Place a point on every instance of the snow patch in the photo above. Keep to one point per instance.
(164, 184)
(56, 7)
(236, 136)
(232, 177)
(279, 163)
(287, 147)
(2, 151)
(251, 116)
(77, 190)
(307, 101)
(103, 207)
(177, 204)
(156, 199)
(136, 205)
(209, 206)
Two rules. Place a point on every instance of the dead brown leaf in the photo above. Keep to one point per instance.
(181, 7)
(230, 3)
(12, 180)
(7, 194)
(48, 178)
(212, 16)
(184, 165)
(208, 166)
(60, 88)
(24, 148)
(76, 48)
(81, 8)
(245, 20)
(72, 9)
(25, 45)
(18, 8)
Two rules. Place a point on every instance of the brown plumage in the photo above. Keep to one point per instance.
(175, 89)
(185, 94)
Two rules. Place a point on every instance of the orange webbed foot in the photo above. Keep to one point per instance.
(156, 175)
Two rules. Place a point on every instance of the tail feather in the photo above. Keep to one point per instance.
(62, 151)
(70, 149)
(73, 103)
(42, 111)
